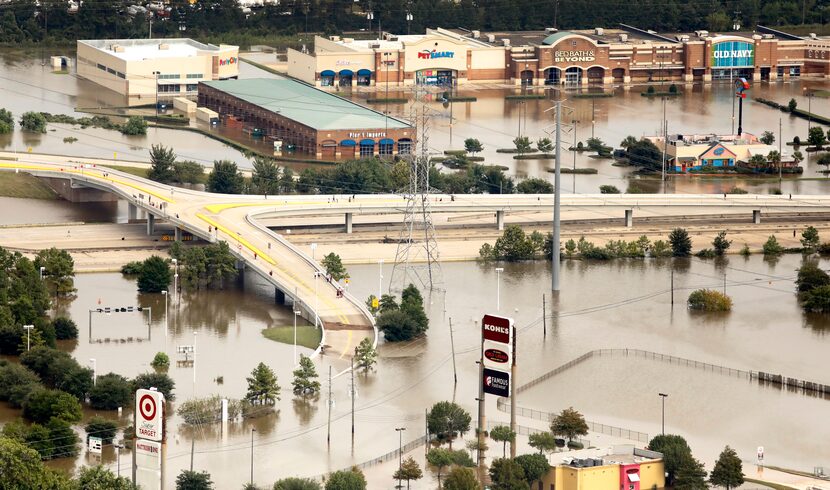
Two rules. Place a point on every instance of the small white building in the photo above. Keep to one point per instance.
(145, 70)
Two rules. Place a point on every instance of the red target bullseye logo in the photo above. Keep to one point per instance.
(147, 407)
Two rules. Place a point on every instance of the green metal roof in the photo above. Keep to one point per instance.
(554, 38)
(306, 105)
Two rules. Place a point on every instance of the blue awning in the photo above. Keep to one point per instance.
(367, 142)
(327, 73)
(364, 72)
(348, 143)
(405, 140)
(387, 141)
(346, 73)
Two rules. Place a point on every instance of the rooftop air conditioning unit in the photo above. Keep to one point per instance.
(813, 35)
(505, 42)
(348, 40)
(702, 34)
(768, 36)
(164, 47)
(599, 31)
(491, 38)
(117, 48)
(393, 38)
(756, 36)
(551, 30)
(623, 38)
(334, 38)
(476, 34)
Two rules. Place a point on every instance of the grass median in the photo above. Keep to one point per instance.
(23, 185)
(307, 335)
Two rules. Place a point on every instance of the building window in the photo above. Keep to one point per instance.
(120, 75)
(102, 67)
(169, 76)
(172, 88)
(385, 147)
(195, 75)
(192, 87)
(110, 71)
(404, 147)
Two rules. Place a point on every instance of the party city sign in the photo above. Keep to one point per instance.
(431, 55)
(229, 61)
(732, 54)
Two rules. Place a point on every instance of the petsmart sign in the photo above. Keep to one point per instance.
(733, 54)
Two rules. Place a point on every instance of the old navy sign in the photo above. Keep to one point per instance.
(733, 54)
(497, 328)
(496, 382)
(431, 55)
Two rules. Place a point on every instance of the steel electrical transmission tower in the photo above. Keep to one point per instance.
(416, 261)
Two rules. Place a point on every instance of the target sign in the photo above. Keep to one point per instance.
(148, 411)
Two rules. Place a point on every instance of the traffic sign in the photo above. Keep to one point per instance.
(497, 328)
(496, 382)
(95, 444)
(148, 414)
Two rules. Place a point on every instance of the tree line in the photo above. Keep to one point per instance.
(24, 21)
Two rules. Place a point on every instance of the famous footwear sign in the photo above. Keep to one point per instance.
(733, 54)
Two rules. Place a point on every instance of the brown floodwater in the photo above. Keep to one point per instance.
(622, 304)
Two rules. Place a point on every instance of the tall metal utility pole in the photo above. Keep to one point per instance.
(452, 347)
(557, 183)
(665, 143)
(353, 393)
(416, 260)
(779, 153)
(330, 400)
(513, 393)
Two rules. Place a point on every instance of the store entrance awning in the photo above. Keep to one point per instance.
(348, 143)
(327, 73)
(367, 142)
(364, 72)
(633, 477)
(346, 73)
(387, 141)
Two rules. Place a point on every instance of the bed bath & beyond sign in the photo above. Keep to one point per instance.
(570, 56)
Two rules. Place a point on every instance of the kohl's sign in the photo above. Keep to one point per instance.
(733, 54)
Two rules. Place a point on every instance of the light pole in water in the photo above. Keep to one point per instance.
(663, 397)
(400, 430)
(499, 270)
(166, 323)
(252, 455)
(94, 370)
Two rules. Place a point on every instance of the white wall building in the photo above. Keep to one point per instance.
(143, 69)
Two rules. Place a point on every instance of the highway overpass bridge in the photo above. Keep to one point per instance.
(297, 278)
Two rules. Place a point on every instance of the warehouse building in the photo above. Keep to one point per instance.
(146, 70)
(581, 57)
(622, 467)
(297, 116)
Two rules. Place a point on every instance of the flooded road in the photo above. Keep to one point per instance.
(603, 305)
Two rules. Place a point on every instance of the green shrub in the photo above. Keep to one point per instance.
(810, 276)
(709, 300)
(737, 190)
(101, 427)
(132, 268)
(817, 300)
(745, 250)
(608, 189)
(161, 361)
(772, 247)
(706, 253)
(135, 125)
(65, 328)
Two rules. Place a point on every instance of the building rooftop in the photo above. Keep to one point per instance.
(620, 454)
(143, 49)
(306, 105)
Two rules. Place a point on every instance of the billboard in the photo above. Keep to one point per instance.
(496, 382)
(733, 54)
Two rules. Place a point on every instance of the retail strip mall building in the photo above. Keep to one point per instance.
(597, 57)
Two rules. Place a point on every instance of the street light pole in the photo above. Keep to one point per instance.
(157, 73)
(499, 270)
(166, 321)
(400, 430)
(316, 301)
(28, 332)
(42, 270)
(663, 397)
(252, 455)
(94, 371)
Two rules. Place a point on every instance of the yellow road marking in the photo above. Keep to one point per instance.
(348, 344)
(69, 170)
(239, 238)
(343, 318)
